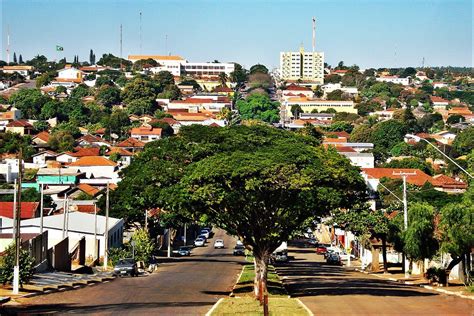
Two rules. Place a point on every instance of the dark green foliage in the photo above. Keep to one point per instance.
(12, 142)
(108, 95)
(464, 141)
(259, 106)
(419, 239)
(29, 102)
(7, 262)
(258, 68)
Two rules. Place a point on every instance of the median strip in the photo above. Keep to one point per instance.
(243, 301)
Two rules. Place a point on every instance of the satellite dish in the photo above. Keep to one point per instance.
(73, 208)
(114, 136)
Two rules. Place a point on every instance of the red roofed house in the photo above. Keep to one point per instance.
(146, 134)
(295, 90)
(196, 104)
(96, 167)
(21, 127)
(41, 139)
(132, 144)
(414, 176)
(28, 210)
(439, 102)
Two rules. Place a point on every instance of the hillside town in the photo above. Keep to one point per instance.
(156, 159)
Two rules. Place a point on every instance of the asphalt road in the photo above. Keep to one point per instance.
(188, 286)
(334, 290)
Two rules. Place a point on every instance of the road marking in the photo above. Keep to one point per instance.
(305, 307)
(209, 313)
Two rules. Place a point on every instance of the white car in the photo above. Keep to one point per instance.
(205, 233)
(219, 243)
(199, 242)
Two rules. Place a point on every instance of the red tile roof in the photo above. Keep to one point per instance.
(28, 209)
(435, 98)
(92, 161)
(143, 130)
(131, 142)
(19, 123)
(194, 101)
(444, 181)
(44, 136)
(88, 189)
(223, 89)
(293, 87)
(86, 151)
(90, 209)
(418, 179)
(119, 150)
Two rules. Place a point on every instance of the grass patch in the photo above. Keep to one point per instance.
(244, 302)
(245, 283)
(247, 305)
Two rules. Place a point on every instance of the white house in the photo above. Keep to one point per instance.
(394, 79)
(41, 157)
(69, 74)
(146, 134)
(96, 167)
(362, 160)
(330, 87)
(78, 225)
(9, 169)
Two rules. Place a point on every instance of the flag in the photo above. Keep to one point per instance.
(59, 48)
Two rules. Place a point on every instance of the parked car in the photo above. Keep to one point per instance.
(333, 258)
(219, 243)
(199, 242)
(239, 250)
(281, 256)
(205, 233)
(202, 237)
(126, 266)
(239, 243)
(209, 230)
(321, 250)
(184, 251)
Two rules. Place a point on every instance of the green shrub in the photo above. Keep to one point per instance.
(7, 262)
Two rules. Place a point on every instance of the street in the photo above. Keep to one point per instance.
(334, 290)
(189, 285)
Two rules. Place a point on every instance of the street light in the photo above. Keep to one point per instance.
(418, 138)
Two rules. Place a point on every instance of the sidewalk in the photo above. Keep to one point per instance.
(455, 287)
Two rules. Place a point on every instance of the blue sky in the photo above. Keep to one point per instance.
(368, 33)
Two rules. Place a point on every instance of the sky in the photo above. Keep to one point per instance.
(376, 33)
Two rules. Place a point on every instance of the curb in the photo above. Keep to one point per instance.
(209, 313)
(238, 278)
(428, 287)
(305, 307)
(4, 299)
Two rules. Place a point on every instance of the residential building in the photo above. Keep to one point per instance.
(437, 85)
(41, 139)
(415, 177)
(439, 102)
(79, 225)
(384, 115)
(124, 156)
(308, 105)
(22, 127)
(96, 167)
(41, 157)
(9, 169)
(304, 66)
(69, 75)
(146, 134)
(58, 176)
(330, 87)
(198, 104)
(8, 116)
(394, 79)
(23, 70)
(27, 210)
(294, 90)
(132, 144)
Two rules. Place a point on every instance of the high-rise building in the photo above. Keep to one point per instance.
(303, 66)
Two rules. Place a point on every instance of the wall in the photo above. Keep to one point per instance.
(60, 256)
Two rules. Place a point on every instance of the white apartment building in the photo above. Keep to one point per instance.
(305, 66)
(177, 65)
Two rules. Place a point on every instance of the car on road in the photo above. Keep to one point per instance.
(333, 258)
(219, 243)
(206, 233)
(127, 266)
(239, 250)
(184, 251)
(199, 242)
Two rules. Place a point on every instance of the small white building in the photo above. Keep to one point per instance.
(146, 134)
(69, 74)
(96, 167)
(394, 79)
(78, 225)
(330, 87)
(362, 160)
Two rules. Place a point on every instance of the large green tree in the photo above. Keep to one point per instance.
(259, 106)
(29, 102)
(464, 141)
(256, 182)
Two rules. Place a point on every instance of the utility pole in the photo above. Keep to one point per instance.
(121, 65)
(95, 230)
(140, 33)
(169, 242)
(146, 220)
(405, 211)
(185, 242)
(106, 233)
(64, 216)
(8, 45)
(15, 191)
(41, 209)
(16, 269)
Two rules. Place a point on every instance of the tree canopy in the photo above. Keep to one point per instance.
(259, 106)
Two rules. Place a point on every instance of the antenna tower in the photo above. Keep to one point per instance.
(121, 42)
(8, 44)
(314, 34)
(140, 33)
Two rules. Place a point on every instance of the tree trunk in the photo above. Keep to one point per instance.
(384, 254)
(451, 265)
(260, 282)
(375, 259)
